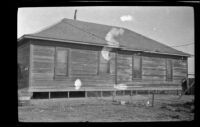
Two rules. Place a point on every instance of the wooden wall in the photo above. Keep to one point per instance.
(180, 70)
(83, 64)
(42, 63)
(87, 65)
(153, 69)
(124, 68)
(23, 61)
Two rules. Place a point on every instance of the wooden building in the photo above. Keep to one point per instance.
(54, 58)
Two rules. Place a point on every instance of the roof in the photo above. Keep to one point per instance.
(68, 30)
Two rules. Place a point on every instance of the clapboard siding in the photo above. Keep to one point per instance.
(43, 62)
(154, 77)
(180, 63)
(85, 66)
(83, 61)
(178, 78)
(88, 66)
(179, 69)
(153, 71)
(124, 68)
(153, 62)
(182, 73)
(23, 56)
(153, 68)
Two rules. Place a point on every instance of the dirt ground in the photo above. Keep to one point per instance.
(93, 109)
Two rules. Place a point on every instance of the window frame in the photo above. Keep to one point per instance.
(171, 69)
(140, 64)
(67, 62)
(99, 65)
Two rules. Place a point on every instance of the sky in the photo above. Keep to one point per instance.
(172, 26)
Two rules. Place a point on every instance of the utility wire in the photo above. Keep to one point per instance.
(182, 45)
(105, 40)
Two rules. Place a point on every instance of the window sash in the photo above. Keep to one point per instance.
(137, 68)
(61, 61)
(169, 71)
(104, 65)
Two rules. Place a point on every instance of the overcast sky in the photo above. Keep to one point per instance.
(172, 26)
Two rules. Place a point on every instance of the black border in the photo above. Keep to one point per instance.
(9, 93)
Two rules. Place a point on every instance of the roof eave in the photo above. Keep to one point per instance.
(21, 38)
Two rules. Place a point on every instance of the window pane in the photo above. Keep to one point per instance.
(61, 62)
(112, 63)
(169, 70)
(104, 65)
(61, 56)
(137, 67)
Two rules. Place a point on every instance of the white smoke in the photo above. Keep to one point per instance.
(77, 84)
(105, 52)
(126, 18)
(111, 41)
(114, 32)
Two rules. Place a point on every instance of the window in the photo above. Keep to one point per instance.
(137, 71)
(169, 70)
(61, 62)
(104, 64)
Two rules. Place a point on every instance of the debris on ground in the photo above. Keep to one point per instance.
(106, 110)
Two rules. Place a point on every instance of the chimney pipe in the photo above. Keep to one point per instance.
(75, 14)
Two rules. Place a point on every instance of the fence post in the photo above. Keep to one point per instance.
(188, 84)
(113, 95)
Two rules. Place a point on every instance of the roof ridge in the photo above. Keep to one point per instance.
(153, 40)
(102, 38)
(85, 30)
(65, 20)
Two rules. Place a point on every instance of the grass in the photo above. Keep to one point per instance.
(96, 109)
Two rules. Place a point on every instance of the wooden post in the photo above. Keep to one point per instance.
(114, 94)
(153, 98)
(131, 95)
(86, 94)
(188, 86)
(49, 95)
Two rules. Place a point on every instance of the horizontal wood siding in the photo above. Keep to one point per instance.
(179, 69)
(84, 66)
(43, 62)
(153, 68)
(43, 69)
(23, 60)
(83, 62)
(124, 68)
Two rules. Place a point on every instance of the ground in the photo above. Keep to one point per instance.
(93, 109)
